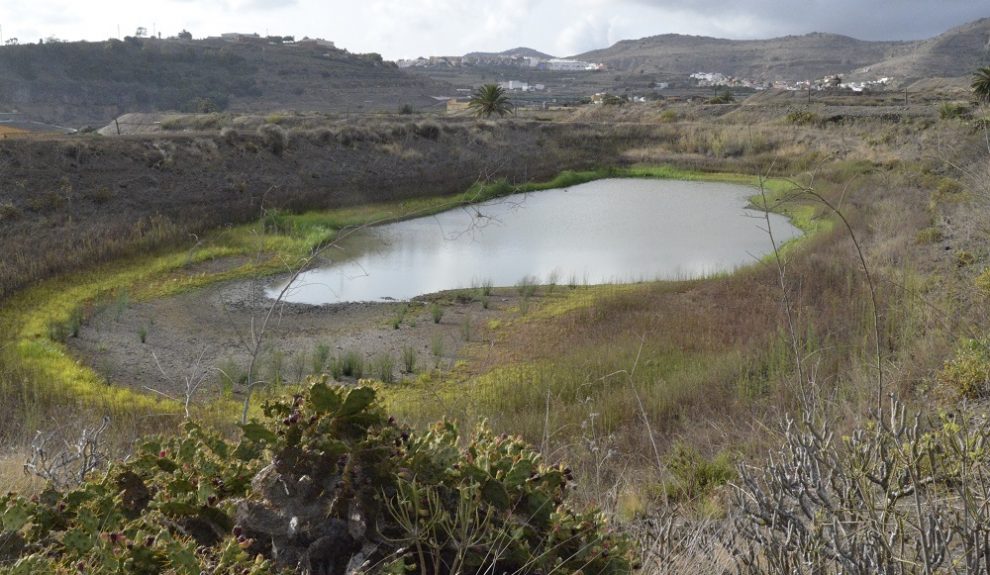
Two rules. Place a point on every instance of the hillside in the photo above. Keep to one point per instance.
(520, 52)
(788, 58)
(955, 53)
(92, 82)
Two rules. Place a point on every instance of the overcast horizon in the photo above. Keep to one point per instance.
(406, 29)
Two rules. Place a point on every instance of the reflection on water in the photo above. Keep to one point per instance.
(617, 230)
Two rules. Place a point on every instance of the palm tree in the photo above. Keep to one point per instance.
(489, 100)
(981, 85)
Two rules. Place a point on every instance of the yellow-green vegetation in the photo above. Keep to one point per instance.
(983, 282)
(40, 318)
(968, 372)
(37, 320)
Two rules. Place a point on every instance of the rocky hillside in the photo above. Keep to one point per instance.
(955, 53)
(787, 58)
(92, 82)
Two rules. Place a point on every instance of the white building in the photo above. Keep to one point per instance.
(572, 65)
(514, 85)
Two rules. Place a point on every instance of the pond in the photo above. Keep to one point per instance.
(606, 231)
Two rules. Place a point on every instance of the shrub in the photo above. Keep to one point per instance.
(952, 110)
(408, 359)
(321, 356)
(983, 282)
(929, 235)
(968, 373)
(527, 286)
(336, 368)
(9, 212)
(802, 118)
(949, 186)
(692, 476)
(724, 97)
(431, 502)
(230, 135)
(352, 365)
(276, 222)
(436, 348)
(400, 316)
(46, 201)
(964, 258)
(100, 195)
(385, 368)
(428, 131)
(911, 488)
(275, 138)
(436, 311)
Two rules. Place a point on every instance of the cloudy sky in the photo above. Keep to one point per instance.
(407, 28)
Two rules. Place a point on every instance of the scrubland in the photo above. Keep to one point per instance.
(743, 420)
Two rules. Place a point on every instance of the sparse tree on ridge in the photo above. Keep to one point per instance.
(981, 85)
(490, 100)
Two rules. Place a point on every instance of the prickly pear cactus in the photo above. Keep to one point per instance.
(325, 483)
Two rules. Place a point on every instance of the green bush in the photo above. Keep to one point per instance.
(275, 138)
(352, 365)
(929, 235)
(321, 357)
(8, 211)
(964, 258)
(385, 368)
(983, 282)
(802, 118)
(692, 476)
(199, 503)
(968, 373)
(408, 359)
(724, 97)
(436, 311)
(276, 222)
(953, 110)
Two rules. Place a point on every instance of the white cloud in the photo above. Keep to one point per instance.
(588, 33)
(401, 28)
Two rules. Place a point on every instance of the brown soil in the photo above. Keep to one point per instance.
(208, 330)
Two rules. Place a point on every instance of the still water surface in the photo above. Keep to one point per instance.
(606, 231)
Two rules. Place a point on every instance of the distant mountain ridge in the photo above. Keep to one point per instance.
(787, 58)
(957, 52)
(520, 52)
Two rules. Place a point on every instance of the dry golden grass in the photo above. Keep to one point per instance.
(13, 477)
(710, 363)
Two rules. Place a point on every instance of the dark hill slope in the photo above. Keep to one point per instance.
(787, 58)
(955, 53)
(93, 82)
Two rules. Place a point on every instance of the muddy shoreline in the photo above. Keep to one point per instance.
(208, 335)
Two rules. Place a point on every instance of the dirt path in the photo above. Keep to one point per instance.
(157, 345)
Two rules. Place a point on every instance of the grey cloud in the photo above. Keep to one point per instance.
(864, 19)
(241, 4)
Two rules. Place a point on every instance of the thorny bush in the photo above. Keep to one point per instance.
(427, 503)
(903, 494)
